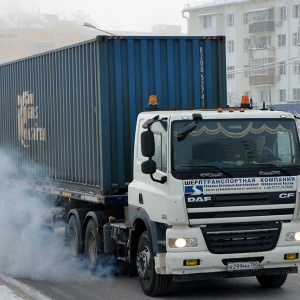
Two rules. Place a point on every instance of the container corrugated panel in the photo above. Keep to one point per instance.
(69, 115)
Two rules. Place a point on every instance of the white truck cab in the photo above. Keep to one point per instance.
(216, 203)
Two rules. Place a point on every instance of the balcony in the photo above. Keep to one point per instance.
(262, 72)
(261, 79)
(262, 26)
(266, 51)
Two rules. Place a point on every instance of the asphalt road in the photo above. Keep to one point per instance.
(68, 283)
(122, 287)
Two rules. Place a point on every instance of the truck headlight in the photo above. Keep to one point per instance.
(293, 237)
(183, 242)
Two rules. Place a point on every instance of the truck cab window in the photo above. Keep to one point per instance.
(160, 137)
(231, 145)
(284, 147)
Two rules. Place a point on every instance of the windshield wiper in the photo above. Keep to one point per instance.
(188, 127)
(209, 174)
(269, 173)
(274, 172)
(278, 170)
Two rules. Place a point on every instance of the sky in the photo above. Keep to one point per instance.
(129, 15)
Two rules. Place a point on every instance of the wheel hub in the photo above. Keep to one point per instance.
(142, 262)
(92, 248)
(73, 241)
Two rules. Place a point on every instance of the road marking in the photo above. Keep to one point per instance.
(22, 290)
(6, 293)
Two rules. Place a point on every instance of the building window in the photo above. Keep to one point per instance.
(281, 40)
(281, 13)
(265, 95)
(42, 46)
(230, 20)
(246, 44)
(246, 71)
(261, 15)
(296, 94)
(296, 11)
(230, 46)
(258, 67)
(263, 42)
(282, 95)
(296, 67)
(207, 21)
(12, 35)
(230, 72)
(295, 38)
(282, 68)
(245, 19)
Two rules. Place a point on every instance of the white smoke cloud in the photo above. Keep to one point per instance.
(27, 249)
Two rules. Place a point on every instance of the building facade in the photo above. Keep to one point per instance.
(23, 35)
(27, 34)
(262, 42)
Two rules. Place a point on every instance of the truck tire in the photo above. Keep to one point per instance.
(92, 245)
(95, 257)
(272, 281)
(152, 284)
(74, 237)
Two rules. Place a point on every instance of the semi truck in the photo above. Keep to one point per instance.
(140, 159)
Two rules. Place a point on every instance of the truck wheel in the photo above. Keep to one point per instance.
(152, 284)
(74, 237)
(272, 281)
(92, 243)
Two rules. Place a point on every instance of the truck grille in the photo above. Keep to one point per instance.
(241, 238)
(240, 208)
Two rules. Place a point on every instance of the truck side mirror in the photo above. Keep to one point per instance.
(148, 167)
(147, 144)
(148, 150)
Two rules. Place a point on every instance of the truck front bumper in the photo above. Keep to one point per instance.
(215, 265)
(221, 275)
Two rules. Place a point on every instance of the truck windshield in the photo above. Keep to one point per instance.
(235, 144)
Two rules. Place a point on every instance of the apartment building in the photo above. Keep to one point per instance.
(26, 34)
(262, 42)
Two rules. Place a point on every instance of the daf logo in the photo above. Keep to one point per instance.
(286, 195)
(198, 199)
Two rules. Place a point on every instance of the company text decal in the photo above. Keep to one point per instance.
(231, 185)
(27, 111)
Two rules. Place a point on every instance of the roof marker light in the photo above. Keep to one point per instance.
(152, 104)
(245, 103)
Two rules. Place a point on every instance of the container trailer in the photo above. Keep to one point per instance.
(142, 160)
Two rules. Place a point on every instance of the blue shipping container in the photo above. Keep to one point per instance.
(72, 112)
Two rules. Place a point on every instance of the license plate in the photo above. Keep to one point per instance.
(238, 266)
